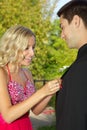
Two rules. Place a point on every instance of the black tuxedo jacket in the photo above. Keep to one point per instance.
(71, 100)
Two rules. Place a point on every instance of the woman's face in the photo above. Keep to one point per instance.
(29, 52)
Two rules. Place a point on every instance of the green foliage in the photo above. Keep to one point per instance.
(47, 128)
(22, 12)
(52, 101)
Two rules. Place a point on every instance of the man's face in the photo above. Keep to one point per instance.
(68, 32)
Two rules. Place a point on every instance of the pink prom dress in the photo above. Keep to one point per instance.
(17, 95)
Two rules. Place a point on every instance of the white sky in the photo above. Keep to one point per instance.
(58, 6)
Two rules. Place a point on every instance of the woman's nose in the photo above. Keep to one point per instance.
(32, 52)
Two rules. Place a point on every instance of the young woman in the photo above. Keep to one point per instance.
(17, 91)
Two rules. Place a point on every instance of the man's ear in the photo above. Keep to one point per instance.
(76, 20)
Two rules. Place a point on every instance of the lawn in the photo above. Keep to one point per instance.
(47, 128)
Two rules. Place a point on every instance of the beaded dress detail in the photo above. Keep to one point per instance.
(18, 93)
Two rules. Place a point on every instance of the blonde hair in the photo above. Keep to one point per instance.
(12, 44)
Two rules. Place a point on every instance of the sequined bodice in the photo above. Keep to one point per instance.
(19, 93)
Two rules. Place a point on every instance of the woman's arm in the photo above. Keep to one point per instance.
(39, 107)
(12, 112)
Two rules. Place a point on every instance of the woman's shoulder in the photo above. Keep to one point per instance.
(2, 71)
(3, 74)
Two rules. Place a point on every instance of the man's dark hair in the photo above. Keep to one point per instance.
(74, 7)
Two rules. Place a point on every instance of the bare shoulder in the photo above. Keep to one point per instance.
(3, 77)
(3, 73)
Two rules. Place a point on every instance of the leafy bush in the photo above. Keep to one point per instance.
(47, 128)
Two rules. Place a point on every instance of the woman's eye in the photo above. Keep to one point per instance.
(33, 47)
(26, 48)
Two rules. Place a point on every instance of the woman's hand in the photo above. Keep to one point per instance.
(51, 87)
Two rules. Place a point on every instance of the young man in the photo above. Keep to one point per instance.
(71, 100)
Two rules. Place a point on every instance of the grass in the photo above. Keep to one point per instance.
(47, 128)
